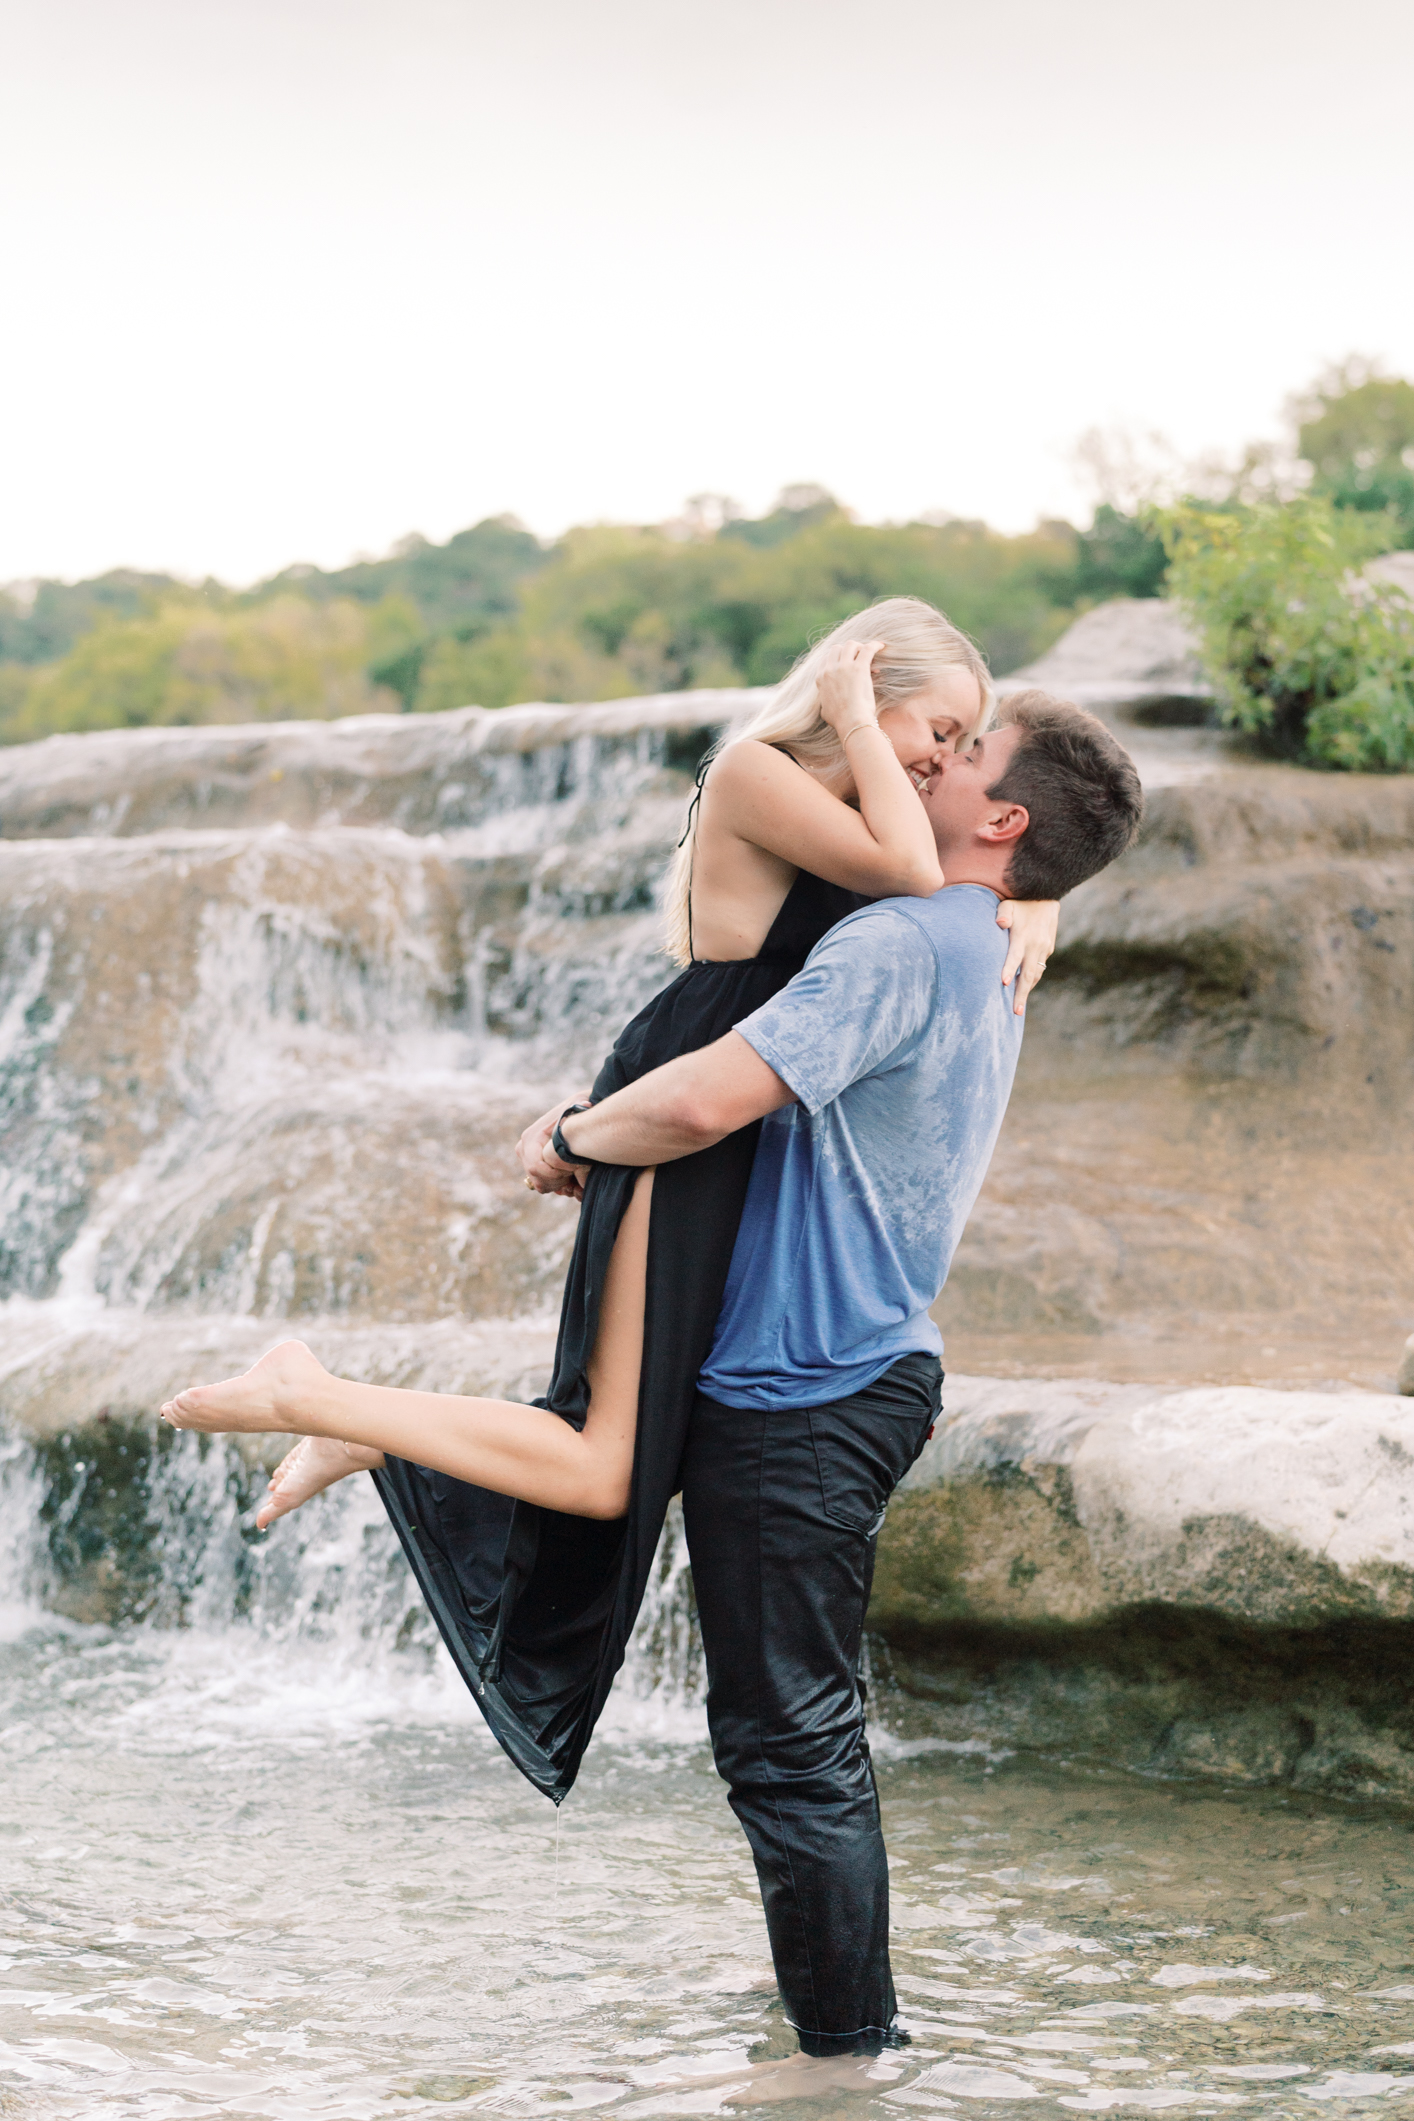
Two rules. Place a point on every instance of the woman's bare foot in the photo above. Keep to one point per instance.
(268, 1397)
(316, 1462)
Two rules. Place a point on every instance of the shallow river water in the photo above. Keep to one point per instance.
(249, 1875)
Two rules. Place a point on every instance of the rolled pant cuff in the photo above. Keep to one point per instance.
(869, 2040)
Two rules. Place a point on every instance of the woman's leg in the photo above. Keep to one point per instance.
(614, 1367)
(515, 1450)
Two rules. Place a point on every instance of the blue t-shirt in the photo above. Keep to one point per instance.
(900, 1043)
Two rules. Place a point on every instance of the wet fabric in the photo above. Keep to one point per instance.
(536, 1607)
(860, 1191)
(782, 1514)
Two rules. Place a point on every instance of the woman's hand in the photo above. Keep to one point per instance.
(544, 1173)
(846, 687)
(1032, 923)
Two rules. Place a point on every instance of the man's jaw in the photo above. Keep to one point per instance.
(964, 859)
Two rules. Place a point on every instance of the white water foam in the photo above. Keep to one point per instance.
(22, 1570)
(312, 1632)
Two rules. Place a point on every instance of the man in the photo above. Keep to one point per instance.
(882, 1073)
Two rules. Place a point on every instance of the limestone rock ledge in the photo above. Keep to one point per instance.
(1214, 1582)
(1044, 1502)
(1217, 1581)
(63, 1375)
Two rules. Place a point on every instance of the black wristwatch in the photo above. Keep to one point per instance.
(559, 1146)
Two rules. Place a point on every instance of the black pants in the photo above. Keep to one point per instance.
(782, 1511)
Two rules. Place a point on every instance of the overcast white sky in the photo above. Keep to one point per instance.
(285, 279)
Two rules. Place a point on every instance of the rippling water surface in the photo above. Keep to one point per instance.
(242, 1878)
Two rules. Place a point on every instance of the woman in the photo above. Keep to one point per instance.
(532, 1530)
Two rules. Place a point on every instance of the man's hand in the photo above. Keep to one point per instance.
(544, 1173)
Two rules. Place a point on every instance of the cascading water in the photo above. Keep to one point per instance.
(171, 1518)
(256, 1074)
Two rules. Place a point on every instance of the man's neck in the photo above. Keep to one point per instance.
(973, 867)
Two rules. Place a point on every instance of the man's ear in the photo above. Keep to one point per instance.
(1006, 823)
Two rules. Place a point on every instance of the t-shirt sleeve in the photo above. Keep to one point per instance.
(866, 992)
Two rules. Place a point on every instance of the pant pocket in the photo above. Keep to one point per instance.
(926, 1426)
(865, 1444)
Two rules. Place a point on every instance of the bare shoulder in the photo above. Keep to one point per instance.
(750, 774)
(749, 764)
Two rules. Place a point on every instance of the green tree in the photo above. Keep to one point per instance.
(472, 579)
(44, 623)
(186, 662)
(1356, 431)
(1118, 556)
(617, 611)
(493, 617)
(796, 509)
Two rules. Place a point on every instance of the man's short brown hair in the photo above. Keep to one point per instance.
(1080, 788)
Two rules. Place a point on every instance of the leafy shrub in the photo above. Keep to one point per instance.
(1306, 655)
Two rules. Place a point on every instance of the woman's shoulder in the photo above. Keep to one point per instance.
(745, 761)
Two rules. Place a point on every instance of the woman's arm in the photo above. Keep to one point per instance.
(1032, 923)
(884, 847)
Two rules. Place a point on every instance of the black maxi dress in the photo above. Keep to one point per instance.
(537, 1607)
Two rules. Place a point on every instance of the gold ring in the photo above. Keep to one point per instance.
(529, 1186)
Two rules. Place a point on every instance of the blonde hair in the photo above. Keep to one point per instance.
(920, 644)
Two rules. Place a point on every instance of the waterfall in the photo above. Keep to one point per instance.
(110, 1523)
(274, 1005)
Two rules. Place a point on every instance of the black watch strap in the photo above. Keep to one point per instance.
(559, 1146)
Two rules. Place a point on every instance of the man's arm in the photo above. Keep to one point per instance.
(685, 1105)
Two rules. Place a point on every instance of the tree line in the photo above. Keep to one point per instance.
(716, 598)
